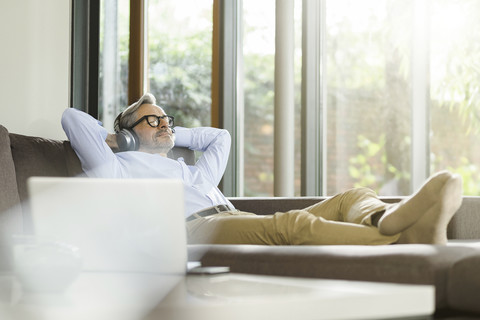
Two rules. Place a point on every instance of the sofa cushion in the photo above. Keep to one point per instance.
(34, 156)
(415, 264)
(182, 152)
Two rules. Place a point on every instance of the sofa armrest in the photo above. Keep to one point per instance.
(465, 224)
(8, 181)
(10, 210)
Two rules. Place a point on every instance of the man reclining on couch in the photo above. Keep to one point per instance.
(145, 135)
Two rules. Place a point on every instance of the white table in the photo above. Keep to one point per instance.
(228, 296)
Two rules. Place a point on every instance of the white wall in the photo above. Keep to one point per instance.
(34, 65)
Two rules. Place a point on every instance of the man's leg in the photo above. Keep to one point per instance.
(424, 216)
(420, 218)
(354, 206)
(343, 219)
(435, 204)
(296, 227)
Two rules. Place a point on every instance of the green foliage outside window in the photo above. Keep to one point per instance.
(180, 76)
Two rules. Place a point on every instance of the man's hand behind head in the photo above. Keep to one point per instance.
(111, 140)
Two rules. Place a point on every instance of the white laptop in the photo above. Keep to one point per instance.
(119, 225)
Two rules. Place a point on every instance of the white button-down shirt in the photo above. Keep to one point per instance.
(87, 137)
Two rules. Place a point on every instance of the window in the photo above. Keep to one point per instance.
(398, 87)
(388, 92)
(178, 58)
(399, 73)
(455, 90)
(258, 94)
(258, 90)
(113, 60)
(368, 77)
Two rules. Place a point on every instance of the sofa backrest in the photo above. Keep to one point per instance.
(34, 156)
(24, 156)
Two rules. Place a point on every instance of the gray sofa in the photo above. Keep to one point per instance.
(453, 269)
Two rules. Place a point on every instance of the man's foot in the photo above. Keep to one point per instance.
(430, 198)
(431, 228)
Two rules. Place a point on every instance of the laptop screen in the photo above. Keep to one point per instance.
(132, 225)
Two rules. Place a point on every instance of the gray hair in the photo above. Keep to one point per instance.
(128, 116)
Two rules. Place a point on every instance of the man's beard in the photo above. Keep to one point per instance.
(165, 144)
(160, 144)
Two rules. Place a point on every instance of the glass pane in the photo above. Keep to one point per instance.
(258, 84)
(455, 90)
(368, 53)
(369, 76)
(180, 58)
(113, 60)
(258, 67)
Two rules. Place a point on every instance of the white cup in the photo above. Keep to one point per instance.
(44, 265)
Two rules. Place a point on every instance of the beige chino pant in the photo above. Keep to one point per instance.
(342, 219)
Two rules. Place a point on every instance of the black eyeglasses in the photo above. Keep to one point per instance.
(154, 121)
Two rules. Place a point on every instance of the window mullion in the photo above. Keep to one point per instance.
(136, 57)
(420, 94)
(313, 89)
(231, 92)
(85, 48)
(284, 150)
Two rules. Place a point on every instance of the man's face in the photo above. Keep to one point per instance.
(154, 140)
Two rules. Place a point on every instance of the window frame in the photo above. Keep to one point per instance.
(227, 87)
(84, 63)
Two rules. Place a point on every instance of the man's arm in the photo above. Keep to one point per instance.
(215, 145)
(89, 140)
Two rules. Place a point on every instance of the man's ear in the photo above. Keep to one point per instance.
(128, 140)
